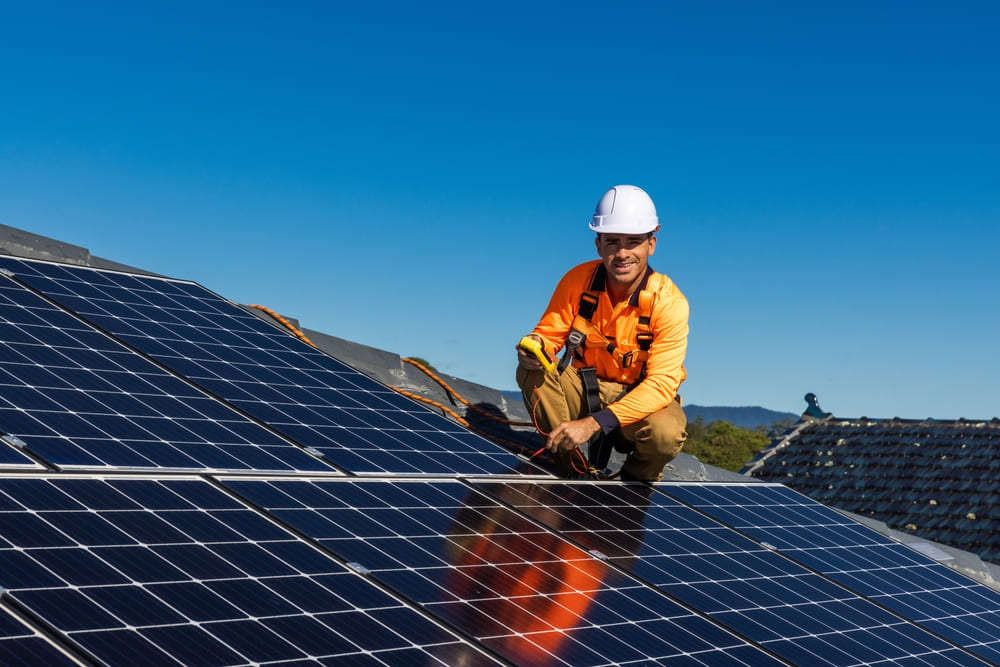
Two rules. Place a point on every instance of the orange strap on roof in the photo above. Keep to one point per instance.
(461, 399)
(288, 325)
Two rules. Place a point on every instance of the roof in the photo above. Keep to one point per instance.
(932, 479)
(184, 480)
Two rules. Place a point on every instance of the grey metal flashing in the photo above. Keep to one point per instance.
(20, 243)
(687, 468)
(25, 244)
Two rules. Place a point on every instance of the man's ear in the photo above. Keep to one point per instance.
(597, 245)
(652, 240)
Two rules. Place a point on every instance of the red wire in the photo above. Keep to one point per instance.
(577, 452)
(534, 420)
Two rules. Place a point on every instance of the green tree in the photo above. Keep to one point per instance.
(722, 444)
(697, 431)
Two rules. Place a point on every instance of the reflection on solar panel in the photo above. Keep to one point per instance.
(136, 571)
(799, 615)
(888, 573)
(77, 398)
(522, 591)
(354, 421)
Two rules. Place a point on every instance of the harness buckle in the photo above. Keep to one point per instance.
(573, 341)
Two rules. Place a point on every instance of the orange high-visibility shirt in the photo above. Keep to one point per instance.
(669, 324)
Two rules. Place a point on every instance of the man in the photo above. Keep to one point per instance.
(625, 329)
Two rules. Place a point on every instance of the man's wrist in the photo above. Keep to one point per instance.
(606, 420)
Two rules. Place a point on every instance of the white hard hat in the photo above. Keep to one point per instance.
(624, 209)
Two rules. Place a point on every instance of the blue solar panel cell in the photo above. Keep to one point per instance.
(68, 609)
(355, 422)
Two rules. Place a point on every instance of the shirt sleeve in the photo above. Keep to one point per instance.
(607, 420)
(557, 321)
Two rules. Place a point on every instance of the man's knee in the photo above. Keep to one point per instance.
(664, 443)
(662, 434)
(527, 380)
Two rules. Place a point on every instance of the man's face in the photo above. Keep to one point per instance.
(625, 256)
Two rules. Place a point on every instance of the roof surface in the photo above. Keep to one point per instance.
(184, 481)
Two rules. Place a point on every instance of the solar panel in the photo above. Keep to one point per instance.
(77, 398)
(795, 613)
(147, 571)
(359, 424)
(517, 588)
(890, 574)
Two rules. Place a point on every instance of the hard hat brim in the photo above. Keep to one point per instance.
(644, 227)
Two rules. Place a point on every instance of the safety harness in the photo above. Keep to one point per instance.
(584, 332)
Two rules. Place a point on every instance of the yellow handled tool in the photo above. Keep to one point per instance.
(537, 350)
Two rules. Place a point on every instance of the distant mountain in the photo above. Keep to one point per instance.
(745, 417)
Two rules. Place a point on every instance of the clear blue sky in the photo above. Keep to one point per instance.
(417, 176)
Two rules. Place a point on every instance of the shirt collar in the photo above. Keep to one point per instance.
(599, 283)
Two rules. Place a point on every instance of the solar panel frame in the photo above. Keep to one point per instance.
(270, 374)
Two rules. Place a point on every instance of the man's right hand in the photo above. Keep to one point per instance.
(572, 434)
(528, 361)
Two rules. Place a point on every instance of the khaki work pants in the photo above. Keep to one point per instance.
(554, 398)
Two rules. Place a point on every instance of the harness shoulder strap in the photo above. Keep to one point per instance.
(647, 299)
(584, 313)
(644, 330)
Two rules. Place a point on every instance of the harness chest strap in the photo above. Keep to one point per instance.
(583, 329)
